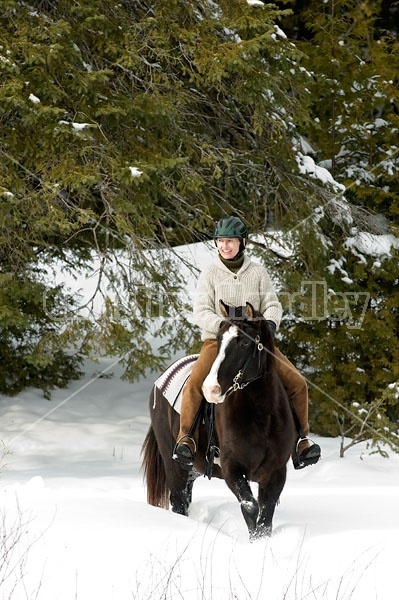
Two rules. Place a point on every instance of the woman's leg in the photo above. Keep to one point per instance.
(303, 453)
(185, 448)
(296, 387)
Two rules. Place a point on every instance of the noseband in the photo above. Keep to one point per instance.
(258, 346)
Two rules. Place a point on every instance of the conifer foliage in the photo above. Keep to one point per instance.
(351, 350)
(127, 128)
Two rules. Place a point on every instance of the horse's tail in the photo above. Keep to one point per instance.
(154, 472)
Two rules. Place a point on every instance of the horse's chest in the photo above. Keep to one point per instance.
(250, 442)
(240, 438)
(250, 425)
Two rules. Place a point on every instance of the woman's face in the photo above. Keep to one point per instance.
(228, 247)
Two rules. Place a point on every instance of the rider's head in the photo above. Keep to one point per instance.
(230, 228)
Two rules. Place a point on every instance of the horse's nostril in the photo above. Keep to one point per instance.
(215, 390)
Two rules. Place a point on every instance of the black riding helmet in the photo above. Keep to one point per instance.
(231, 227)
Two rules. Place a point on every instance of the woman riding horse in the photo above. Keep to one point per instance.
(247, 424)
(236, 279)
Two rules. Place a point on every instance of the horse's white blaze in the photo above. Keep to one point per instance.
(211, 387)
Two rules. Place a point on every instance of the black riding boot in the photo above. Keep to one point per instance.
(308, 456)
(183, 452)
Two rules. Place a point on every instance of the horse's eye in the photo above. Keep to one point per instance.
(244, 343)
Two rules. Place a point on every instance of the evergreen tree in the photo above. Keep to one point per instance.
(349, 349)
(357, 115)
(343, 334)
(351, 48)
(127, 128)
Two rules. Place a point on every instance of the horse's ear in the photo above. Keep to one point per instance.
(224, 308)
(249, 311)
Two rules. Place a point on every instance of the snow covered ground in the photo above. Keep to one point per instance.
(75, 523)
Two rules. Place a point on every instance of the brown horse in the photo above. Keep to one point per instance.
(253, 424)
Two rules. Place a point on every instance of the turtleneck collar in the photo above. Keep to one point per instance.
(234, 264)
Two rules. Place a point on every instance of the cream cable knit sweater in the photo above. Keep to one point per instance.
(250, 284)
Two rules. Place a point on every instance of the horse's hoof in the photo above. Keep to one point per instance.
(260, 533)
(309, 456)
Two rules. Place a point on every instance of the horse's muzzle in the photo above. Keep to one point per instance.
(212, 393)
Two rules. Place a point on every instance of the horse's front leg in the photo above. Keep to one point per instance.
(249, 506)
(268, 498)
(182, 491)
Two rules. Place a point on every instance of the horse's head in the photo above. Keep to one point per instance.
(244, 345)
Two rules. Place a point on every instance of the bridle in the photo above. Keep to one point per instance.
(236, 385)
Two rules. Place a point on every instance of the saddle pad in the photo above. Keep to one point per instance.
(171, 382)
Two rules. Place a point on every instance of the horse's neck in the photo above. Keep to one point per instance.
(264, 395)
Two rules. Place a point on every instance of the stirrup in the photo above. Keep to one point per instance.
(309, 456)
(183, 454)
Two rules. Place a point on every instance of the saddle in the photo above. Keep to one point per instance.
(171, 384)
